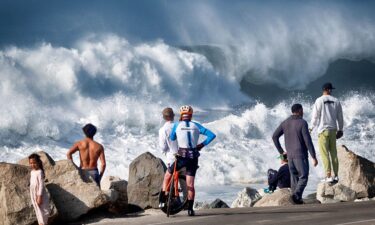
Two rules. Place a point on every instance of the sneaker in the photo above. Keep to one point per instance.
(327, 180)
(336, 179)
(161, 205)
(191, 212)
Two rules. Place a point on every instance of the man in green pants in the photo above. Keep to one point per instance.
(327, 117)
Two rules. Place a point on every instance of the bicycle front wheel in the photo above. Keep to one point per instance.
(174, 203)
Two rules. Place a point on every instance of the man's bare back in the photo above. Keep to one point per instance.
(89, 150)
(89, 153)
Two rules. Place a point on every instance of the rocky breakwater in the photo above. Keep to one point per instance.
(73, 194)
(357, 179)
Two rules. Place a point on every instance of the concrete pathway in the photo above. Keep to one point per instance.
(358, 213)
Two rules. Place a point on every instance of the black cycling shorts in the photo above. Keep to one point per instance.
(190, 164)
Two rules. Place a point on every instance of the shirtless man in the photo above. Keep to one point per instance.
(89, 153)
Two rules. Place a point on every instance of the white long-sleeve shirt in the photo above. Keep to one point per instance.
(327, 114)
(166, 145)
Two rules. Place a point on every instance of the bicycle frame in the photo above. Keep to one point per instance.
(175, 180)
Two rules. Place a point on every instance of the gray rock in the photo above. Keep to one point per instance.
(72, 195)
(15, 201)
(146, 174)
(280, 197)
(218, 203)
(356, 173)
(332, 193)
(201, 205)
(246, 198)
(117, 190)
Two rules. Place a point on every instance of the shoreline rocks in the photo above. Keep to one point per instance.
(357, 179)
(116, 189)
(356, 173)
(281, 197)
(246, 198)
(146, 174)
(72, 194)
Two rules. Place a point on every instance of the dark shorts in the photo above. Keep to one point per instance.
(190, 164)
(93, 173)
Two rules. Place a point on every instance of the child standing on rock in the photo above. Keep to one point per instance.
(38, 193)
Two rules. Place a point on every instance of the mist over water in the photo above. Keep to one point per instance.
(49, 89)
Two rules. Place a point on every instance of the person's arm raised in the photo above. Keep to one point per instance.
(206, 132)
(275, 137)
(71, 151)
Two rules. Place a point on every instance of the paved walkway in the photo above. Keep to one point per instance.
(331, 214)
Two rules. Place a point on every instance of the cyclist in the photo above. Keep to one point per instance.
(187, 132)
(168, 147)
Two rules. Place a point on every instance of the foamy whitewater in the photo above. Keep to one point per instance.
(48, 93)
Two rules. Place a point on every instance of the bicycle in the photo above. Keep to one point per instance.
(177, 196)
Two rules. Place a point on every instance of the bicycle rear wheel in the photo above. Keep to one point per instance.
(175, 204)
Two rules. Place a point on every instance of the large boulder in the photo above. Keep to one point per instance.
(146, 174)
(117, 190)
(356, 173)
(332, 193)
(73, 193)
(246, 198)
(281, 197)
(15, 201)
(357, 179)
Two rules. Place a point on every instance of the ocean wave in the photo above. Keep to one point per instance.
(48, 91)
(241, 153)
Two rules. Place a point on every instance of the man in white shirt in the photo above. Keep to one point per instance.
(328, 119)
(168, 147)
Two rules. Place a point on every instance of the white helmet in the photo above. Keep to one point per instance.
(186, 109)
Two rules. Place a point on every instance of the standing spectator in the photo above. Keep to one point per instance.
(187, 133)
(168, 147)
(38, 193)
(297, 143)
(327, 117)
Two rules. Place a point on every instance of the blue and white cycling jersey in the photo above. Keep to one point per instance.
(187, 134)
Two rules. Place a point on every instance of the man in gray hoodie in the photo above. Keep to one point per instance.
(297, 143)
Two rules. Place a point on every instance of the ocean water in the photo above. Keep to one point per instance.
(48, 93)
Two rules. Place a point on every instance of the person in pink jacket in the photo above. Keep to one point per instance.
(38, 193)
